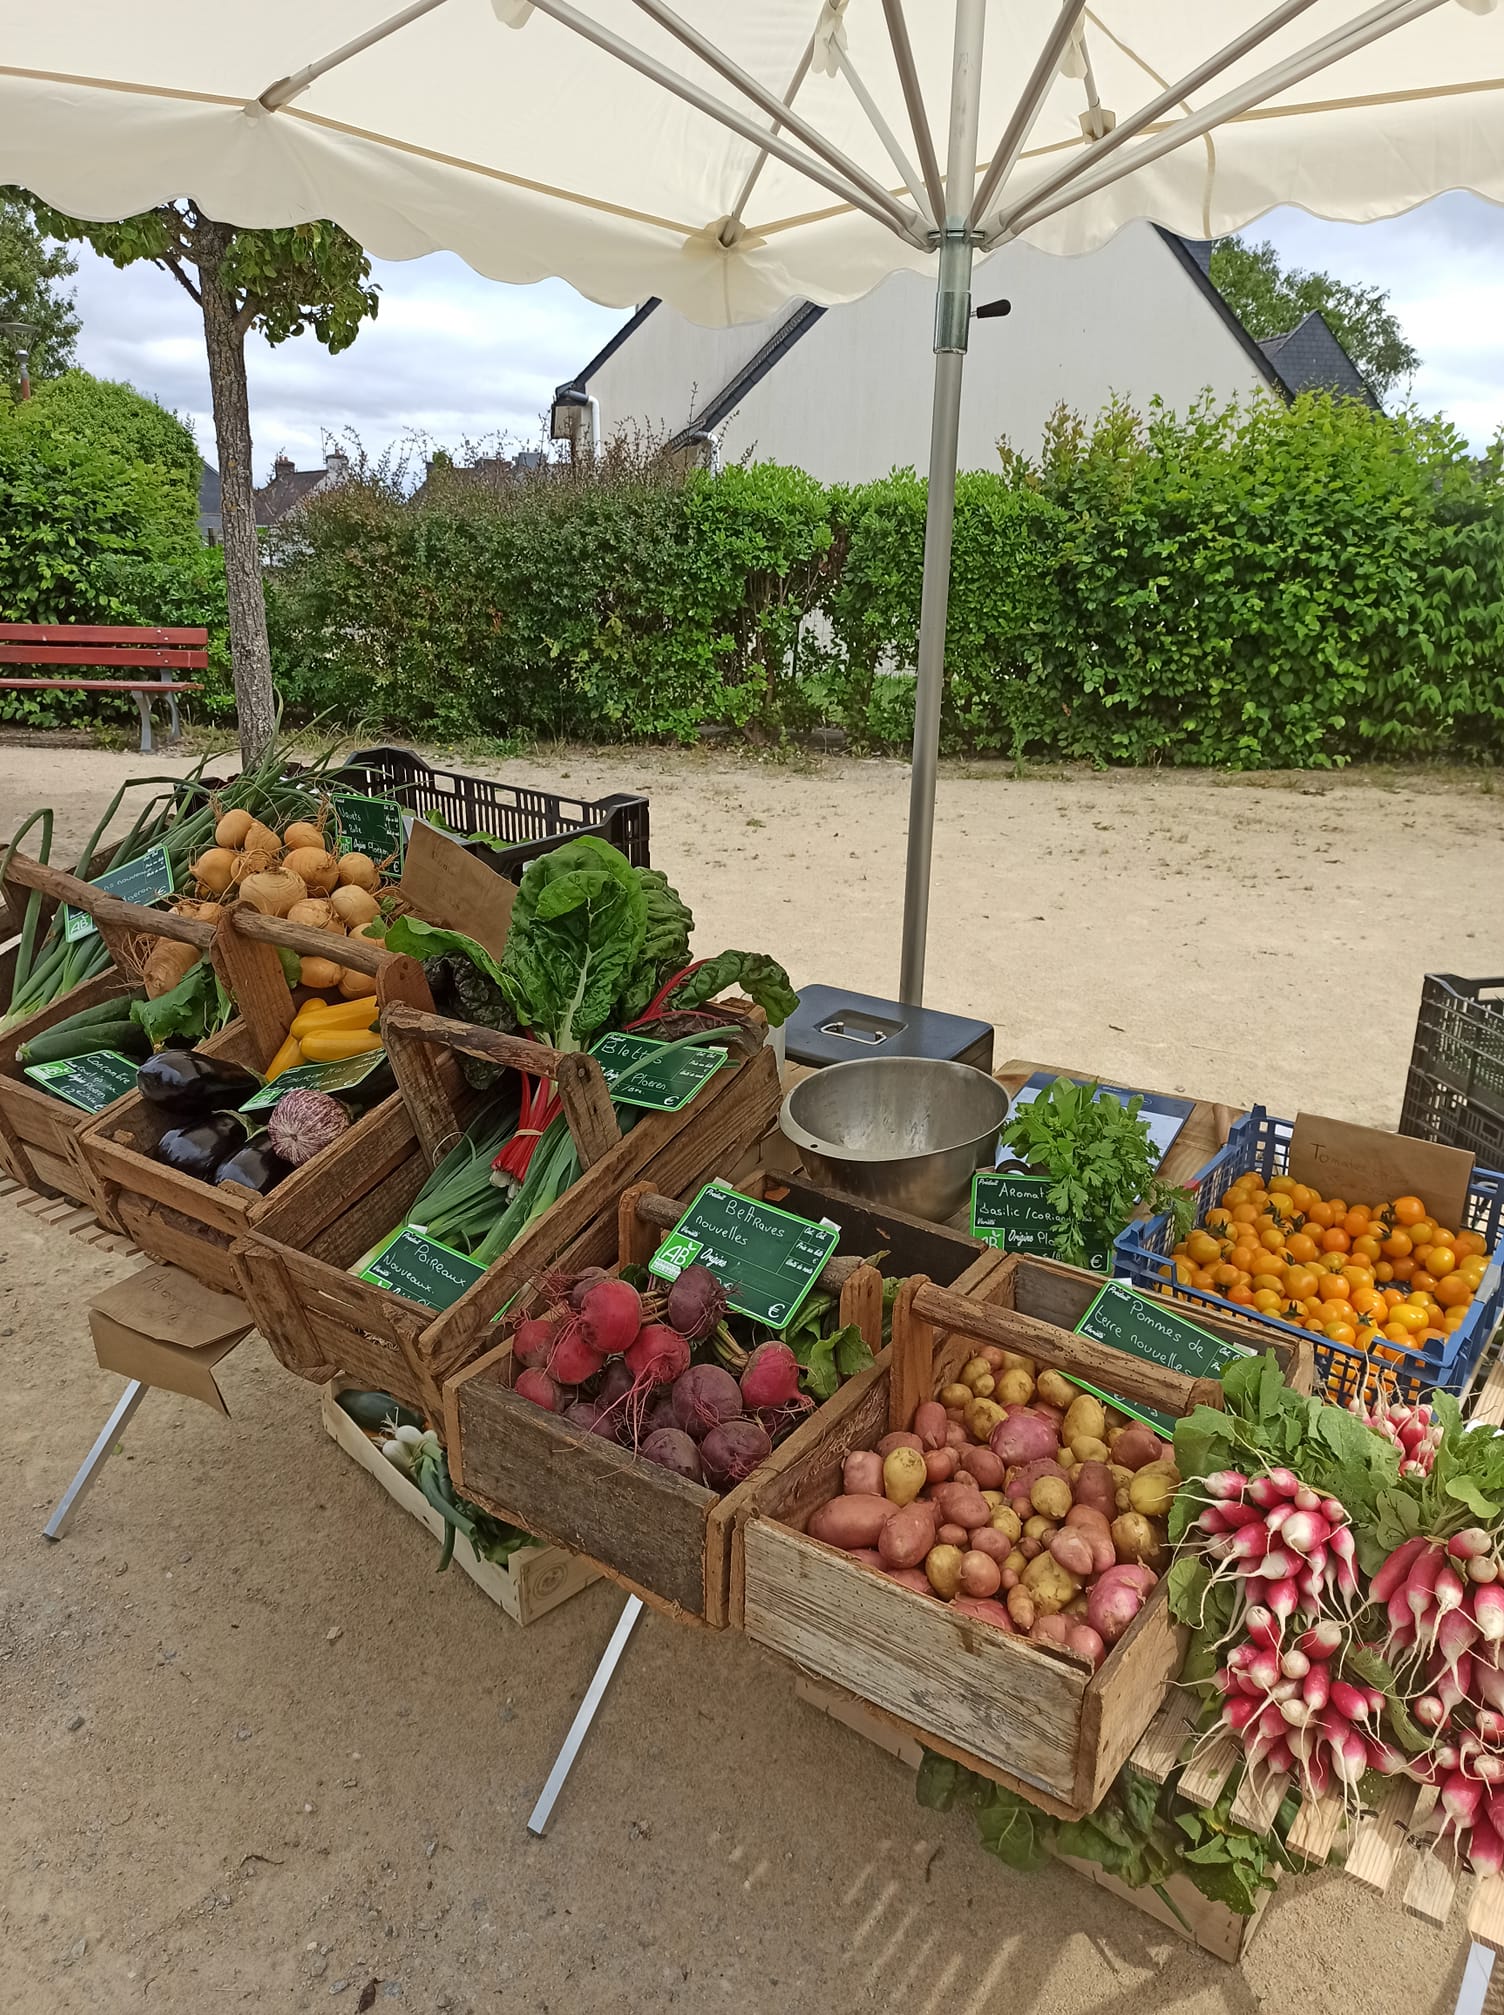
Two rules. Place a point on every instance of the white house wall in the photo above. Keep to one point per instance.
(851, 399)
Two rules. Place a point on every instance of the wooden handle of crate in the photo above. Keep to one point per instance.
(115, 917)
(1078, 1356)
(358, 955)
(411, 1035)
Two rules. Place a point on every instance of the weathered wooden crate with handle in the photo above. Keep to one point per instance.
(39, 1134)
(1037, 1720)
(664, 1538)
(320, 1319)
(193, 1224)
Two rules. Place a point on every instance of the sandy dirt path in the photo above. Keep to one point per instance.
(254, 1754)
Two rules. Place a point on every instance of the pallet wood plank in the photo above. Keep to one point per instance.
(1209, 1769)
(1485, 1912)
(1259, 1797)
(1380, 1835)
(1316, 1826)
(1156, 1754)
(1431, 1888)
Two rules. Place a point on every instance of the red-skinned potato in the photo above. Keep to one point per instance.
(995, 1359)
(1053, 1414)
(862, 1473)
(1009, 1580)
(986, 1539)
(940, 1464)
(1110, 1607)
(869, 1557)
(1024, 1437)
(980, 1575)
(851, 1522)
(1082, 1639)
(891, 1441)
(1049, 1630)
(929, 1424)
(952, 1535)
(984, 1610)
(1094, 1529)
(910, 1577)
(1030, 1548)
(961, 1503)
(1074, 1551)
(1137, 1446)
(1093, 1484)
(1021, 1608)
(1022, 1480)
(956, 1436)
(907, 1536)
(984, 1467)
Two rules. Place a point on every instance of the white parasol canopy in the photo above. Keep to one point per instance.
(737, 154)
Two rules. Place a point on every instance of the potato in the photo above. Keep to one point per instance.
(1022, 1436)
(952, 1396)
(910, 1577)
(929, 1423)
(940, 1464)
(984, 1610)
(1016, 1561)
(1085, 1642)
(1112, 1605)
(992, 1498)
(1049, 1584)
(1071, 1547)
(973, 1369)
(1009, 1580)
(1051, 1495)
(1121, 1477)
(985, 1387)
(981, 1575)
(1092, 1484)
(984, 1417)
(862, 1473)
(903, 1478)
(956, 1436)
(1096, 1531)
(997, 1360)
(1049, 1630)
(1014, 1388)
(1021, 1608)
(1006, 1521)
(1055, 1389)
(1137, 1446)
(942, 1570)
(1031, 1548)
(850, 1522)
(952, 1535)
(1085, 1416)
(1086, 1448)
(961, 1503)
(1014, 1360)
(907, 1536)
(1027, 1474)
(1037, 1526)
(1153, 1489)
(1134, 1538)
(891, 1441)
(995, 1544)
(1076, 1606)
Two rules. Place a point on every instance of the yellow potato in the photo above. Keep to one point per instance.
(1051, 1496)
(1085, 1449)
(1153, 1489)
(956, 1395)
(981, 1417)
(1056, 1390)
(1049, 1584)
(1006, 1520)
(1084, 1418)
(1015, 1388)
(973, 1369)
(1013, 1361)
(904, 1475)
(942, 1568)
(1039, 1527)
(984, 1386)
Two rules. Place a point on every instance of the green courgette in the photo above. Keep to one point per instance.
(64, 1041)
(116, 1008)
(375, 1410)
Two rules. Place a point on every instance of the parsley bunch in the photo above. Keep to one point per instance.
(1100, 1161)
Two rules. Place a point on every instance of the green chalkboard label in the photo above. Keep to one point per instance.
(1013, 1213)
(662, 1078)
(767, 1260)
(1144, 1326)
(369, 826)
(330, 1077)
(421, 1270)
(93, 1081)
(143, 881)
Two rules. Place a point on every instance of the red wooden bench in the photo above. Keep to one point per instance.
(106, 647)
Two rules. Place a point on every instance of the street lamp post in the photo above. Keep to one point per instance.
(23, 332)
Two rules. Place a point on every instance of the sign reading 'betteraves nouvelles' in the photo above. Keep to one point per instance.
(766, 1259)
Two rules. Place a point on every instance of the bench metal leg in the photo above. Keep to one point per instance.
(579, 1728)
(175, 730)
(143, 704)
(109, 1434)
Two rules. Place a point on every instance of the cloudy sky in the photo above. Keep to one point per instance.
(452, 357)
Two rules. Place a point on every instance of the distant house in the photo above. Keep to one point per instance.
(443, 478)
(210, 524)
(845, 392)
(290, 488)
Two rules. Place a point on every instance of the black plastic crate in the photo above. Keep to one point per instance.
(1454, 1092)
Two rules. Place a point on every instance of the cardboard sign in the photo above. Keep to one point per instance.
(447, 885)
(1012, 1212)
(1363, 1164)
(91, 1082)
(662, 1079)
(143, 881)
(767, 1260)
(1143, 1325)
(369, 826)
(330, 1077)
(421, 1270)
(166, 1328)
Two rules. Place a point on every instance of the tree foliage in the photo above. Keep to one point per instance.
(1270, 299)
(123, 424)
(32, 271)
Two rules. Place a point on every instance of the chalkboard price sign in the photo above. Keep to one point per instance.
(421, 1270)
(369, 826)
(1013, 1213)
(143, 881)
(93, 1081)
(1143, 1326)
(330, 1077)
(766, 1259)
(662, 1079)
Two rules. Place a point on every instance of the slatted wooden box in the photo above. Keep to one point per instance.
(38, 1132)
(1036, 1720)
(320, 1319)
(666, 1539)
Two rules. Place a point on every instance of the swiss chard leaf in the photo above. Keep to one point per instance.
(761, 979)
(665, 945)
(429, 941)
(577, 933)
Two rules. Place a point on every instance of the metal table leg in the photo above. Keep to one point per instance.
(67, 1504)
(1476, 1975)
(579, 1728)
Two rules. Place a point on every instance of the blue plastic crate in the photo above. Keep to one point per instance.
(1257, 1142)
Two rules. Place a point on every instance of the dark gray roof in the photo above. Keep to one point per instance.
(1309, 358)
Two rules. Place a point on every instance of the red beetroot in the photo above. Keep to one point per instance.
(672, 1449)
(584, 1282)
(540, 1389)
(587, 1413)
(572, 1361)
(533, 1341)
(696, 1303)
(703, 1397)
(771, 1377)
(732, 1451)
(779, 1419)
(610, 1316)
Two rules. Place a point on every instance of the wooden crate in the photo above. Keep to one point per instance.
(535, 1580)
(1036, 1720)
(664, 1538)
(320, 1319)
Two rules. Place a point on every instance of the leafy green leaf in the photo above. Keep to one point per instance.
(194, 1009)
(938, 1781)
(761, 979)
(577, 932)
(1188, 1581)
(1467, 1493)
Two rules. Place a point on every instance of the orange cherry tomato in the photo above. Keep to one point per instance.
(1408, 1210)
(1440, 1260)
(1356, 1221)
(1321, 1214)
(1422, 1280)
(1452, 1291)
(1302, 1247)
(1300, 1283)
(1333, 1288)
(1383, 1271)
(1334, 1240)
(1368, 1249)
(1398, 1245)
(1403, 1268)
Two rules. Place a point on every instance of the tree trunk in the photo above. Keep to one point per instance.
(250, 654)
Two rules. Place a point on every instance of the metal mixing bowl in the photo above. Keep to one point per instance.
(908, 1132)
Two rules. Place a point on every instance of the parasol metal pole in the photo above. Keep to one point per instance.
(952, 326)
